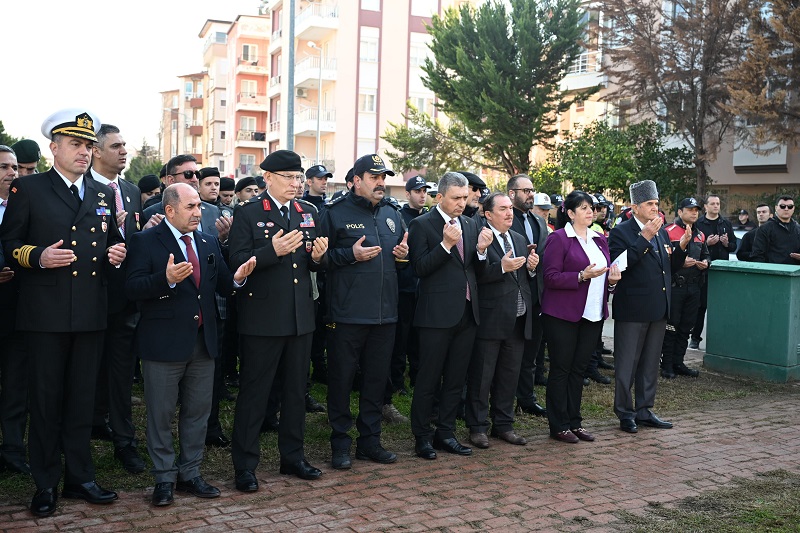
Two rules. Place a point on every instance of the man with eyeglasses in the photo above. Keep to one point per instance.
(282, 234)
(183, 169)
(778, 239)
(534, 229)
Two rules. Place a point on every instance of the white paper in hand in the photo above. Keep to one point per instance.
(621, 261)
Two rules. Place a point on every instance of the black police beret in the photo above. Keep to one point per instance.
(227, 184)
(244, 182)
(209, 171)
(27, 151)
(149, 182)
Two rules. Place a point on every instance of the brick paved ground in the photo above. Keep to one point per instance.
(543, 486)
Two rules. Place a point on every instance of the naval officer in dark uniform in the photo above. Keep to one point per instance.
(282, 234)
(60, 234)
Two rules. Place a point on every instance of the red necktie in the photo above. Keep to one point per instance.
(460, 247)
(118, 203)
(192, 257)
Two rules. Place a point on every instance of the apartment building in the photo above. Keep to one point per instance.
(182, 124)
(737, 171)
(215, 97)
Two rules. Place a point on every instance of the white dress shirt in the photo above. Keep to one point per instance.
(593, 310)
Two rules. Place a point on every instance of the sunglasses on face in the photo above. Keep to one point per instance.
(786, 206)
(188, 174)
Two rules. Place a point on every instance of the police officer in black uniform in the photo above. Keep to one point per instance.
(282, 234)
(686, 290)
(60, 234)
(366, 239)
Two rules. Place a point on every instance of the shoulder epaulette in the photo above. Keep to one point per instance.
(336, 201)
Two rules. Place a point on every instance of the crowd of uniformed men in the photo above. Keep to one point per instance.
(258, 281)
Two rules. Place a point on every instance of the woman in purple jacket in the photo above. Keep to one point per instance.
(577, 279)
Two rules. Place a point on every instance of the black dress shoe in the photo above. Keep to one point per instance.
(218, 442)
(451, 445)
(540, 379)
(532, 409)
(605, 351)
(586, 382)
(198, 487)
(91, 492)
(424, 449)
(17, 467)
(270, 426)
(377, 454)
(102, 432)
(246, 481)
(162, 494)
(131, 461)
(597, 377)
(654, 422)
(44, 502)
(667, 373)
(301, 469)
(602, 364)
(694, 344)
(340, 460)
(683, 370)
(313, 406)
(627, 425)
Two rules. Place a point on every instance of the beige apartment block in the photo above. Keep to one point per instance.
(737, 172)
(215, 97)
(182, 123)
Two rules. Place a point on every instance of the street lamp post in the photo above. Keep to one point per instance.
(312, 44)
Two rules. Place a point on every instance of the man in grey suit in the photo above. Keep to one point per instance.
(641, 305)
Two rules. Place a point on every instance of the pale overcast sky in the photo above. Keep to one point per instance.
(110, 57)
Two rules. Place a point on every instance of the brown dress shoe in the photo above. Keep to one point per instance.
(565, 436)
(512, 438)
(582, 434)
(479, 440)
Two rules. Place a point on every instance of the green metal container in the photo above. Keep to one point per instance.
(753, 326)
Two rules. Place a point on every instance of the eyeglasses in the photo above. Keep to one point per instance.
(293, 177)
(785, 206)
(188, 174)
(526, 191)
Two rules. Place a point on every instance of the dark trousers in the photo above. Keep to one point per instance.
(526, 396)
(320, 336)
(405, 346)
(493, 373)
(683, 313)
(115, 377)
(571, 345)
(368, 348)
(63, 376)
(443, 362)
(700, 320)
(264, 361)
(637, 351)
(597, 354)
(230, 340)
(13, 396)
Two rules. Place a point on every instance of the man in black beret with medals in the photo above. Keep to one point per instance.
(60, 234)
(281, 232)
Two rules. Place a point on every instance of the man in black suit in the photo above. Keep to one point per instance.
(505, 316)
(446, 250)
(13, 358)
(115, 378)
(281, 233)
(177, 336)
(534, 229)
(60, 232)
(641, 305)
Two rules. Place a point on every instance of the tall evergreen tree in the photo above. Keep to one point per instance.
(498, 73)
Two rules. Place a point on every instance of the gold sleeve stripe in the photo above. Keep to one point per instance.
(23, 255)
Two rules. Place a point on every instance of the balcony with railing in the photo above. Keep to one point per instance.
(325, 161)
(306, 71)
(196, 102)
(584, 72)
(305, 121)
(251, 139)
(274, 132)
(246, 101)
(275, 41)
(316, 20)
(274, 86)
(252, 65)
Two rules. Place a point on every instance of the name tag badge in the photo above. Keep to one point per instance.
(308, 221)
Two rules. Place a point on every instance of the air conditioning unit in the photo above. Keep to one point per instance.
(302, 93)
